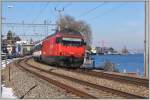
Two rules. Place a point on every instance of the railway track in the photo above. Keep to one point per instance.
(116, 77)
(139, 81)
(56, 83)
(74, 90)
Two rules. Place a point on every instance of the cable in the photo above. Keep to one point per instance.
(67, 5)
(27, 24)
(109, 11)
(89, 11)
(24, 35)
(40, 13)
(57, 5)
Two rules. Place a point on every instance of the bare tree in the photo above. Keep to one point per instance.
(80, 26)
(86, 32)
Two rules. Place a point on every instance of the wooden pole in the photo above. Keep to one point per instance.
(9, 73)
(8, 68)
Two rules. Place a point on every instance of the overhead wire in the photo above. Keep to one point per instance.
(57, 5)
(109, 11)
(67, 5)
(40, 12)
(91, 10)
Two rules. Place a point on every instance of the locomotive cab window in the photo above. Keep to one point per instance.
(83, 42)
(58, 40)
(38, 47)
(72, 42)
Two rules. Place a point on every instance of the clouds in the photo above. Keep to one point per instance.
(135, 23)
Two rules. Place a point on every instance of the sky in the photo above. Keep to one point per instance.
(113, 24)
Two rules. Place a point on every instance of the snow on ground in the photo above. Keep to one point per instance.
(7, 92)
(4, 62)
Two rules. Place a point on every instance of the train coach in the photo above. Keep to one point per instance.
(64, 48)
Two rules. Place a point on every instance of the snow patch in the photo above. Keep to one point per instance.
(7, 92)
(3, 65)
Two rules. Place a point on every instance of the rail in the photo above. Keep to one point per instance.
(61, 85)
(115, 76)
(106, 89)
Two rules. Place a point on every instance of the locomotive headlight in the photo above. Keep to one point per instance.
(60, 53)
(83, 54)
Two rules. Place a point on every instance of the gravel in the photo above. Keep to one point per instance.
(130, 88)
(21, 82)
(95, 92)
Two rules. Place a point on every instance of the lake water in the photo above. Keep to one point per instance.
(125, 63)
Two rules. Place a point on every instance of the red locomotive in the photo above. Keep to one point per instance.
(64, 48)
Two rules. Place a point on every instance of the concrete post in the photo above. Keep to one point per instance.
(146, 41)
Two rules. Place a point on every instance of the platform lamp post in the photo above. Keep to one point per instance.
(45, 27)
(10, 6)
(6, 54)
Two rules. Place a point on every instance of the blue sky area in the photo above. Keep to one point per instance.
(118, 24)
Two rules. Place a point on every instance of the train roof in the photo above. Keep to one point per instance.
(70, 31)
(65, 32)
(38, 43)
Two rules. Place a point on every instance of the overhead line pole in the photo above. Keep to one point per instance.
(59, 12)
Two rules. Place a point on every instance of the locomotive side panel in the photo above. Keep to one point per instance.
(49, 51)
(50, 47)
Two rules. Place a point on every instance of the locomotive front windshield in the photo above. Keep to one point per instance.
(70, 41)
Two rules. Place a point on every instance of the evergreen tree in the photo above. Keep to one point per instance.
(31, 41)
(9, 35)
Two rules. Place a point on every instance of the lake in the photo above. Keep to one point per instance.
(124, 63)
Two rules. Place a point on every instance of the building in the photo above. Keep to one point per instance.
(8, 47)
(23, 47)
(125, 51)
(93, 50)
(102, 50)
